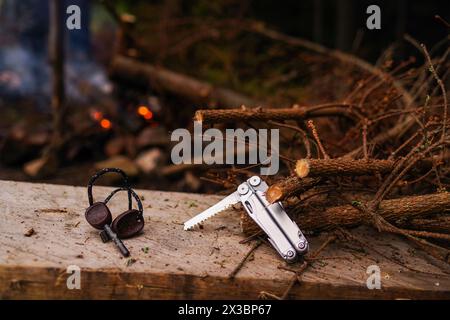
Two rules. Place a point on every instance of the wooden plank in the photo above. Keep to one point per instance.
(180, 264)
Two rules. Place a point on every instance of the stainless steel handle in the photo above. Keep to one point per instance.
(283, 233)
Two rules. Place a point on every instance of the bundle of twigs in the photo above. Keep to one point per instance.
(397, 151)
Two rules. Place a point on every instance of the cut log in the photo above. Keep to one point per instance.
(344, 166)
(347, 216)
(432, 224)
(289, 187)
(348, 167)
(341, 166)
(176, 83)
(264, 114)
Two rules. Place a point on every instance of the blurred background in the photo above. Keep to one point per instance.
(109, 94)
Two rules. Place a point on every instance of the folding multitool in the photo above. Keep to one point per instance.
(283, 233)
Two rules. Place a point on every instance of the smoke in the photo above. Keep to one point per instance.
(22, 72)
(26, 74)
(84, 79)
(24, 63)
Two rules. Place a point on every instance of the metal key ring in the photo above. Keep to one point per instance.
(135, 196)
(101, 173)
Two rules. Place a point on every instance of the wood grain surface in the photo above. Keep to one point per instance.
(170, 263)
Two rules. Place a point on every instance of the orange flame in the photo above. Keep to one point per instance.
(97, 115)
(105, 124)
(145, 112)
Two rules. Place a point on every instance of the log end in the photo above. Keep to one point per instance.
(198, 116)
(302, 168)
(273, 194)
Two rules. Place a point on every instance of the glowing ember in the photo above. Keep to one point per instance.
(105, 124)
(145, 112)
(97, 115)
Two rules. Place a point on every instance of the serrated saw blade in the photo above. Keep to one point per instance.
(215, 209)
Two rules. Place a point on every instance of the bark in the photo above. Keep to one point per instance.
(263, 114)
(341, 166)
(176, 83)
(307, 169)
(401, 209)
(289, 187)
(49, 161)
(56, 52)
(349, 167)
(433, 224)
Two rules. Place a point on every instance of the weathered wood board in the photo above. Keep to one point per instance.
(180, 264)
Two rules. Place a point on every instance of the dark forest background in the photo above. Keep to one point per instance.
(226, 43)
